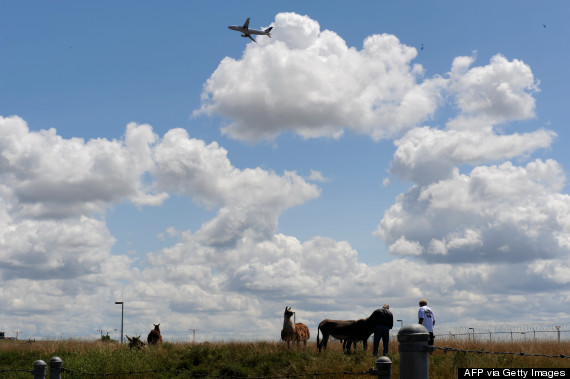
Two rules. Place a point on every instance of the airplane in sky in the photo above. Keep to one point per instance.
(247, 32)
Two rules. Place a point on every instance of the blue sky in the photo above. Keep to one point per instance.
(368, 152)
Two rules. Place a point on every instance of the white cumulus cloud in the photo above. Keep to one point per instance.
(494, 213)
(309, 82)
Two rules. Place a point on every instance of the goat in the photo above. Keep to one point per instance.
(136, 343)
(294, 331)
(154, 337)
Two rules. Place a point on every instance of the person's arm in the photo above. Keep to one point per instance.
(421, 320)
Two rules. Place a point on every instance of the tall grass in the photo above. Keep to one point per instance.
(258, 359)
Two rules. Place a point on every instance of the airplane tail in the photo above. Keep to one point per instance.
(268, 30)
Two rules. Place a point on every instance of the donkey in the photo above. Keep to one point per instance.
(136, 343)
(154, 337)
(294, 332)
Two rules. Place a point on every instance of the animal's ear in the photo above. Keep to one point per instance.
(138, 337)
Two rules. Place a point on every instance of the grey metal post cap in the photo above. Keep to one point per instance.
(413, 333)
(384, 367)
(383, 361)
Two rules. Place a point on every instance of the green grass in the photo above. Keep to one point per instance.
(256, 359)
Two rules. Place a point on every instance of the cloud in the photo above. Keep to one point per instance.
(249, 201)
(486, 96)
(499, 91)
(425, 155)
(51, 177)
(494, 213)
(317, 176)
(309, 82)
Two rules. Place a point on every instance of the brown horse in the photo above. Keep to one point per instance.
(154, 337)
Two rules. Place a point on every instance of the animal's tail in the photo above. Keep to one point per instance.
(318, 339)
(268, 30)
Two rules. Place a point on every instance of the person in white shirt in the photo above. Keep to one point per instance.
(427, 319)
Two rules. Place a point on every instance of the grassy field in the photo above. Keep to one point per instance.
(257, 359)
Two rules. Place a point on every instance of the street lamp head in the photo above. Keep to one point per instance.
(118, 302)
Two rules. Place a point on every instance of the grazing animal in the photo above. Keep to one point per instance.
(135, 343)
(294, 331)
(154, 337)
(349, 331)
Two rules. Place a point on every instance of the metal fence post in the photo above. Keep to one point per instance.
(413, 348)
(55, 364)
(39, 369)
(384, 367)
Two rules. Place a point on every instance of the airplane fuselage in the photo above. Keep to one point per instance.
(242, 30)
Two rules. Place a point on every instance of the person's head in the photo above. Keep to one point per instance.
(423, 302)
(386, 306)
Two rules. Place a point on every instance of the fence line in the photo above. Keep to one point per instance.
(39, 373)
(446, 349)
(504, 332)
(56, 367)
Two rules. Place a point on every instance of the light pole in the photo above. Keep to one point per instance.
(401, 323)
(194, 334)
(473, 333)
(122, 312)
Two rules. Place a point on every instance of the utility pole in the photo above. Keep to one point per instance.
(194, 334)
(122, 313)
(105, 331)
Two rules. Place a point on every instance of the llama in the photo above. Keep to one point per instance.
(293, 332)
(154, 337)
(136, 343)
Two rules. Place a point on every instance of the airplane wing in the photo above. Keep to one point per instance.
(251, 38)
(246, 25)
